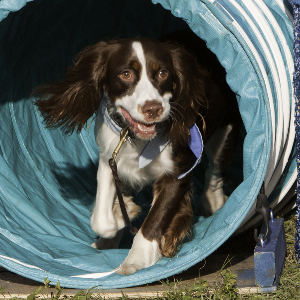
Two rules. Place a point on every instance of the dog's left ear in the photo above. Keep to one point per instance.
(189, 97)
(71, 102)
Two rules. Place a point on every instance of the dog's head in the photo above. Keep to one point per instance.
(148, 82)
(138, 81)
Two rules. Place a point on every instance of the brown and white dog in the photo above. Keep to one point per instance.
(156, 89)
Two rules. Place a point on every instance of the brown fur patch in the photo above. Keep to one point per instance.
(155, 66)
(170, 217)
(71, 102)
(136, 66)
(178, 228)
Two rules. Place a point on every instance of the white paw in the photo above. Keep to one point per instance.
(128, 269)
(142, 254)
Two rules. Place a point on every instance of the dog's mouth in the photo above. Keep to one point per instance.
(141, 130)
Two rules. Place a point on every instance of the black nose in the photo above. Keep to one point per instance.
(152, 110)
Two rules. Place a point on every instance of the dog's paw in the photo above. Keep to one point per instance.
(143, 254)
(128, 269)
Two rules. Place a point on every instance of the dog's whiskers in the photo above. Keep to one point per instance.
(174, 103)
(175, 112)
(173, 117)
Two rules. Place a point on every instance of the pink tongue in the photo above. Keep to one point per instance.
(127, 116)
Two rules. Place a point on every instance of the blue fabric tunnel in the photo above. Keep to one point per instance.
(48, 179)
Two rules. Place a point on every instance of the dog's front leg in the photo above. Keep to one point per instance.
(107, 219)
(103, 221)
(166, 225)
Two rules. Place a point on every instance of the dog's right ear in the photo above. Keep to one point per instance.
(71, 102)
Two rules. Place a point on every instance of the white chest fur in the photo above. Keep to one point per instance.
(127, 159)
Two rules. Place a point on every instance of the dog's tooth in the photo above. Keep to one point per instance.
(145, 128)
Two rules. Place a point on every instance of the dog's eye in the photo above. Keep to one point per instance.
(163, 74)
(126, 75)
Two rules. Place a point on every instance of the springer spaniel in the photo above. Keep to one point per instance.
(160, 92)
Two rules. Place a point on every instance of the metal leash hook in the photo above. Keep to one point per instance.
(262, 207)
(123, 138)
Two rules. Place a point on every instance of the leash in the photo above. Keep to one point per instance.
(118, 183)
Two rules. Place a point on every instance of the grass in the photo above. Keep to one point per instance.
(224, 288)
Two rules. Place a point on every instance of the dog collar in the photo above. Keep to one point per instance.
(158, 143)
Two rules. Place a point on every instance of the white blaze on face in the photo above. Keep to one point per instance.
(144, 90)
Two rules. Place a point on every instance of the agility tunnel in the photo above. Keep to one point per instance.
(48, 179)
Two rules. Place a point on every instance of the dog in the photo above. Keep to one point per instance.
(159, 92)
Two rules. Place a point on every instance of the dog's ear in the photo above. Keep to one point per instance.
(71, 102)
(189, 102)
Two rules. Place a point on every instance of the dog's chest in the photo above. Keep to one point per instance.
(128, 157)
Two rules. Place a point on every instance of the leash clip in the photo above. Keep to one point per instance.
(123, 138)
